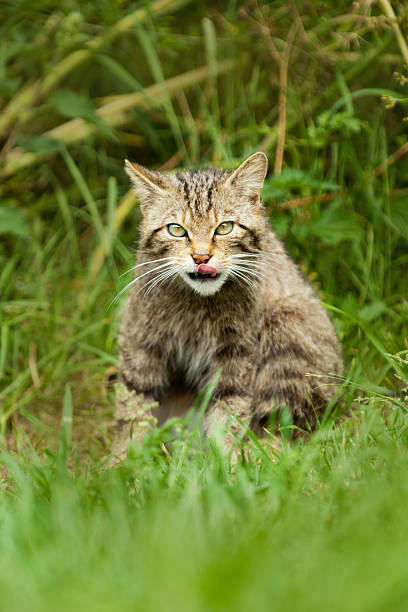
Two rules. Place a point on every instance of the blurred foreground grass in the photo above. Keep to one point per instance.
(324, 528)
(322, 88)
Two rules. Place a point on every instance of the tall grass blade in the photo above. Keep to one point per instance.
(114, 113)
(35, 91)
(86, 194)
(66, 427)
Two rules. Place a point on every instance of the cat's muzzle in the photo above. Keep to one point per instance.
(204, 272)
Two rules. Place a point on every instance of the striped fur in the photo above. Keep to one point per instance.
(258, 320)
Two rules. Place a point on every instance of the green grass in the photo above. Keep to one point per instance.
(324, 528)
(323, 525)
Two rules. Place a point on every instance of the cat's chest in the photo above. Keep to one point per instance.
(193, 362)
(192, 349)
(196, 343)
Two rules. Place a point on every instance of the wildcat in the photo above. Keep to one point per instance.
(214, 288)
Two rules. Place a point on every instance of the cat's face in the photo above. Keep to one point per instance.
(203, 226)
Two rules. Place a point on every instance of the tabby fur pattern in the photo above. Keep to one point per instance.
(258, 320)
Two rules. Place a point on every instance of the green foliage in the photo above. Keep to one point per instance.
(12, 221)
(71, 104)
(292, 180)
(331, 226)
(40, 144)
(399, 217)
(320, 525)
(329, 125)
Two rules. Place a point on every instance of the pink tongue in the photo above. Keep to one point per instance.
(205, 270)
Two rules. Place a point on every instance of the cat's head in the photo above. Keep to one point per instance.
(205, 226)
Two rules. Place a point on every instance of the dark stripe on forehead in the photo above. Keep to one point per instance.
(209, 195)
(198, 186)
(184, 182)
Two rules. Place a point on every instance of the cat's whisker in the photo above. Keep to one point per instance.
(246, 281)
(254, 270)
(250, 264)
(160, 276)
(234, 272)
(145, 263)
(154, 269)
(255, 256)
(251, 256)
(159, 279)
(261, 259)
(253, 277)
(150, 282)
(255, 273)
(167, 264)
(256, 260)
(265, 266)
(250, 279)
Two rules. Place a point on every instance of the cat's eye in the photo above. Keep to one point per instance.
(176, 230)
(224, 228)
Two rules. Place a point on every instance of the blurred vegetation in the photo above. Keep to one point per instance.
(322, 88)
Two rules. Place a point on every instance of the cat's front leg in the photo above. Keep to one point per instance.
(231, 404)
(140, 387)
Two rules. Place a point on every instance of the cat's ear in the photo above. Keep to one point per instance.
(248, 178)
(148, 185)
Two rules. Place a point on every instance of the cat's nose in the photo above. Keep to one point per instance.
(199, 258)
